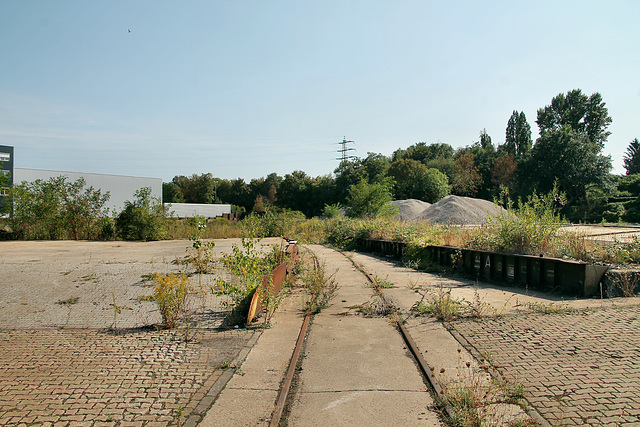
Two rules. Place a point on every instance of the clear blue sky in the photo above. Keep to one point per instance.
(246, 88)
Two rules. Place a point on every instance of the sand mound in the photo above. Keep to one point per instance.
(458, 210)
(409, 209)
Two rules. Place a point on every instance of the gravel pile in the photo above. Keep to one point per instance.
(451, 210)
(457, 210)
(409, 209)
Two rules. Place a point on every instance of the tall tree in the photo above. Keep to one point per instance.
(518, 135)
(295, 191)
(369, 200)
(466, 178)
(413, 180)
(573, 130)
(584, 114)
(632, 157)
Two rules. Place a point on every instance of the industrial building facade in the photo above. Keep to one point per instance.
(121, 188)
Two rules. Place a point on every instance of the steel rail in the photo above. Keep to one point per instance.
(291, 370)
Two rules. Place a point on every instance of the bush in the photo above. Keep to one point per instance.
(57, 209)
(531, 228)
(170, 293)
(145, 219)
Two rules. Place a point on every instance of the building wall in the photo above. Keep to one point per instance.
(6, 168)
(121, 188)
(190, 210)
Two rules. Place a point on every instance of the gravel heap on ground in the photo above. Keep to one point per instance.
(409, 209)
(457, 210)
(451, 210)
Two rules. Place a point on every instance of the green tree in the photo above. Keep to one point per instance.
(571, 159)
(466, 178)
(518, 135)
(295, 192)
(413, 180)
(171, 193)
(323, 192)
(5, 180)
(143, 219)
(57, 209)
(424, 152)
(583, 114)
(369, 200)
(632, 157)
(630, 185)
(573, 130)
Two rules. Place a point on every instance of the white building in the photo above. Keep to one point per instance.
(121, 188)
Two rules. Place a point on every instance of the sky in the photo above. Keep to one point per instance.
(242, 89)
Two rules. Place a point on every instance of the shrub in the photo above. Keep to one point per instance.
(170, 293)
(531, 228)
(144, 219)
(247, 265)
(57, 209)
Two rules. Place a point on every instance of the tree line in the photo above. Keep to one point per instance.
(568, 154)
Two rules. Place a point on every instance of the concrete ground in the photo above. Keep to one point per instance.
(82, 363)
(61, 364)
(577, 359)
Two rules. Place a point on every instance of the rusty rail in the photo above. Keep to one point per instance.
(293, 363)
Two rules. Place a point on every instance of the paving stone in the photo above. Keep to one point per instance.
(585, 361)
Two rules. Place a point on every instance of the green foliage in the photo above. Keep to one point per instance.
(319, 288)
(57, 209)
(630, 184)
(440, 305)
(332, 211)
(370, 200)
(573, 130)
(274, 224)
(144, 219)
(171, 193)
(247, 265)
(170, 293)
(530, 228)
(413, 180)
(632, 157)
(518, 135)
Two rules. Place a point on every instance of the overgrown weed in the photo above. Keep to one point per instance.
(478, 399)
(319, 288)
(170, 293)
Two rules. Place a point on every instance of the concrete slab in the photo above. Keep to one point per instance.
(363, 407)
(249, 397)
(357, 370)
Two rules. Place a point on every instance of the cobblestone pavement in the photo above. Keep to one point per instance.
(82, 377)
(578, 368)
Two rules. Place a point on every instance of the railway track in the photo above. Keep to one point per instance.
(285, 399)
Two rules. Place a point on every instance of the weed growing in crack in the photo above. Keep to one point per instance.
(382, 283)
(200, 255)
(170, 293)
(117, 309)
(478, 399)
(440, 305)
(319, 288)
(550, 308)
(377, 306)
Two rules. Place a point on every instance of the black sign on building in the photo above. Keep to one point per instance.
(6, 169)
